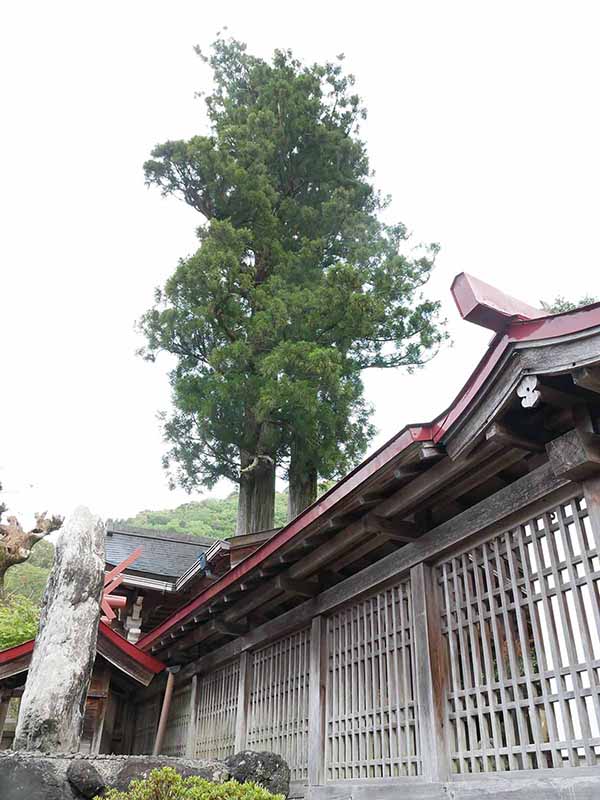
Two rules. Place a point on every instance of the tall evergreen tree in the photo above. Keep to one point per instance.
(296, 288)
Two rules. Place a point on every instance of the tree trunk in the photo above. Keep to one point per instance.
(256, 500)
(262, 513)
(245, 496)
(302, 486)
(53, 704)
(16, 544)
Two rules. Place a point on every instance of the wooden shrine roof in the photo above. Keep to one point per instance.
(165, 554)
(125, 656)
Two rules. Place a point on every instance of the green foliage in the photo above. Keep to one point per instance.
(167, 784)
(297, 287)
(29, 578)
(210, 517)
(560, 304)
(19, 619)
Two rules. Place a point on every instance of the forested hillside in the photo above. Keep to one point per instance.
(29, 578)
(210, 517)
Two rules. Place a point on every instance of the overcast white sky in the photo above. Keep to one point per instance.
(484, 125)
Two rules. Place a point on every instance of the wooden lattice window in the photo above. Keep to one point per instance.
(521, 618)
(178, 723)
(278, 714)
(217, 709)
(146, 723)
(371, 715)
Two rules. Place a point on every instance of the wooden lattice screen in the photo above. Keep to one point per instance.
(217, 709)
(371, 715)
(146, 723)
(174, 743)
(278, 714)
(521, 618)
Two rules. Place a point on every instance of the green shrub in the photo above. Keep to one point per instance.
(167, 784)
(19, 618)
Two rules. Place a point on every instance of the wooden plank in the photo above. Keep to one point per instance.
(316, 702)
(498, 462)
(411, 496)
(575, 455)
(190, 744)
(502, 434)
(358, 552)
(291, 586)
(576, 784)
(401, 531)
(431, 670)
(587, 378)
(102, 673)
(491, 401)
(15, 667)
(4, 704)
(244, 684)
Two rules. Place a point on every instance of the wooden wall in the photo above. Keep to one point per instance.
(473, 669)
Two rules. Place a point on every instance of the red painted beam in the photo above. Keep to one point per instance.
(144, 659)
(18, 651)
(487, 306)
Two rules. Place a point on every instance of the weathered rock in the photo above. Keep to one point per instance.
(53, 703)
(32, 779)
(139, 768)
(267, 769)
(73, 776)
(84, 776)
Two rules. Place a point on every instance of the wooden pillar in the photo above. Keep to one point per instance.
(316, 701)
(128, 726)
(241, 722)
(101, 684)
(4, 704)
(591, 491)
(431, 673)
(190, 744)
(164, 712)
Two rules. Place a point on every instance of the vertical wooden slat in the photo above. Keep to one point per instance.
(525, 648)
(316, 703)
(241, 722)
(190, 745)
(371, 718)
(4, 704)
(217, 712)
(430, 667)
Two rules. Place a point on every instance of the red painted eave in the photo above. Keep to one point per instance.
(379, 459)
(143, 659)
(133, 651)
(18, 651)
(518, 330)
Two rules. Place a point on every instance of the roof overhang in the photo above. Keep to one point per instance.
(497, 371)
(123, 655)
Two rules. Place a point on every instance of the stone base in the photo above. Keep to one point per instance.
(37, 776)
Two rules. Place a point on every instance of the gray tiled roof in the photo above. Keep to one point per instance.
(164, 554)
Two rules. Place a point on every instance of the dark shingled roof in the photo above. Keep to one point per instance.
(164, 554)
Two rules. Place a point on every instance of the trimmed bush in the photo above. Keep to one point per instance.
(167, 784)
